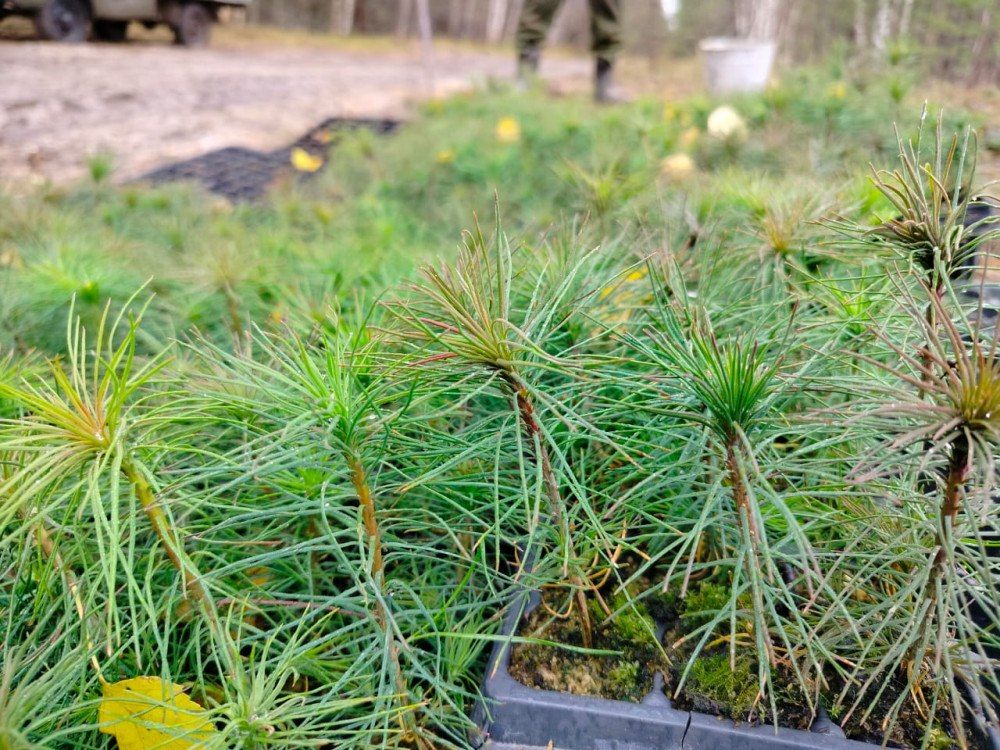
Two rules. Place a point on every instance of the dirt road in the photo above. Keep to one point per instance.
(149, 103)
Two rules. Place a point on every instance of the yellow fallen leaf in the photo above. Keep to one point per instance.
(144, 713)
(303, 161)
(508, 130)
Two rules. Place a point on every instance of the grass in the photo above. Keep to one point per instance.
(258, 452)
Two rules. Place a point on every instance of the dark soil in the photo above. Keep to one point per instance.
(909, 729)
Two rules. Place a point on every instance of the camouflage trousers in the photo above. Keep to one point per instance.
(605, 25)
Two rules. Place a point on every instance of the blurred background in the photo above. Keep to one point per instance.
(955, 39)
(276, 68)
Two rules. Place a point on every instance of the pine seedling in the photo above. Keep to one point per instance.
(930, 200)
(462, 317)
(732, 389)
(81, 437)
(330, 387)
(952, 418)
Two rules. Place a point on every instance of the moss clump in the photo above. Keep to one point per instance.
(939, 739)
(632, 622)
(624, 676)
(625, 673)
(704, 603)
(716, 686)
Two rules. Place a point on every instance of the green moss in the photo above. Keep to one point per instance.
(704, 603)
(632, 622)
(940, 740)
(624, 676)
(716, 686)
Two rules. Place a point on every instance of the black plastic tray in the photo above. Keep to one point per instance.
(516, 717)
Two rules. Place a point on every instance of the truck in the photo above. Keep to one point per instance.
(107, 20)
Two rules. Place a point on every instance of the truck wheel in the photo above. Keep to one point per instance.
(63, 20)
(194, 25)
(111, 31)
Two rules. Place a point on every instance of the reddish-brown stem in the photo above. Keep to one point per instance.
(174, 547)
(533, 433)
(172, 543)
(741, 498)
(368, 515)
(748, 519)
(959, 469)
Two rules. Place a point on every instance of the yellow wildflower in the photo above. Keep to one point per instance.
(508, 130)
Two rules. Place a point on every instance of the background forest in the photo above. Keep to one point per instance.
(950, 38)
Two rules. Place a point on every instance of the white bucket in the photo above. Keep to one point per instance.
(736, 65)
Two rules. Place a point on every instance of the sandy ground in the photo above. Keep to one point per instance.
(149, 103)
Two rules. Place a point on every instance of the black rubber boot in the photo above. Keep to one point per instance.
(605, 91)
(527, 66)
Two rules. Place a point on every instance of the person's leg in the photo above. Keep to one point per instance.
(606, 40)
(533, 25)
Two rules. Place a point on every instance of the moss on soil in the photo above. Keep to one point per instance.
(626, 675)
(715, 684)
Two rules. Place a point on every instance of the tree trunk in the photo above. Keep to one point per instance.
(347, 24)
(758, 19)
(904, 19)
(496, 16)
(403, 20)
(860, 24)
(469, 29)
(881, 30)
(512, 18)
(982, 60)
(455, 19)
(426, 27)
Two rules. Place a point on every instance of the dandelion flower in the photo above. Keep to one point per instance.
(445, 156)
(508, 130)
